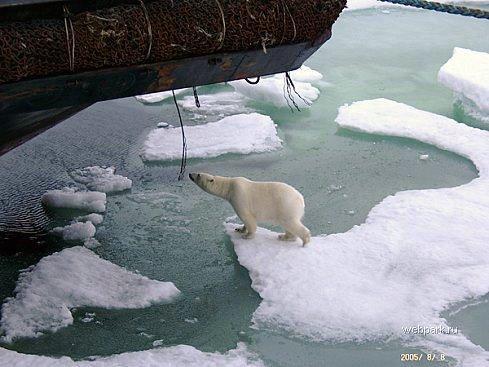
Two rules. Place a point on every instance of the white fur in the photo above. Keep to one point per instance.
(255, 202)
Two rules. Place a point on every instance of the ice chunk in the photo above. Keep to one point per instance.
(304, 74)
(163, 124)
(271, 90)
(157, 342)
(368, 4)
(102, 179)
(418, 252)
(467, 74)
(91, 243)
(76, 231)
(94, 218)
(74, 277)
(73, 199)
(218, 104)
(89, 317)
(424, 157)
(243, 134)
(159, 96)
(177, 356)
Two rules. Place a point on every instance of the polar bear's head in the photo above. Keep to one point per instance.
(206, 182)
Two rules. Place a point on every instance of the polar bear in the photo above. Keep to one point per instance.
(253, 202)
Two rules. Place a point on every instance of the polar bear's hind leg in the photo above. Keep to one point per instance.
(299, 230)
(287, 236)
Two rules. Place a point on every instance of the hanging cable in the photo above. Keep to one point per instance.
(286, 92)
(70, 45)
(255, 82)
(150, 31)
(196, 97)
(290, 83)
(183, 163)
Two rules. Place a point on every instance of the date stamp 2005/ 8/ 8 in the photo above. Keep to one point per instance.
(418, 357)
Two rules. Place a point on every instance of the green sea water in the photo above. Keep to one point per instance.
(172, 231)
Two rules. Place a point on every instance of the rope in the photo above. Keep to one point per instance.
(444, 8)
(183, 163)
(223, 33)
(255, 82)
(70, 46)
(150, 30)
(196, 97)
(290, 84)
(291, 18)
(288, 93)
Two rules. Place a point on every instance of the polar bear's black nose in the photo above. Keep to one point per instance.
(190, 176)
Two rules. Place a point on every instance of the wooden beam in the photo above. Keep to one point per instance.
(89, 87)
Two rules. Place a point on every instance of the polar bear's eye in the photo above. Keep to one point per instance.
(211, 180)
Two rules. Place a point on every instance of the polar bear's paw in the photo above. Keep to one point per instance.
(240, 229)
(287, 237)
(248, 236)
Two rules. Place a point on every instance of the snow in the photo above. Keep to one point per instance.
(94, 218)
(91, 243)
(74, 277)
(219, 104)
(467, 74)
(305, 75)
(75, 231)
(102, 179)
(369, 4)
(271, 89)
(159, 96)
(177, 356)
(418, 252)
(366, 4)
(243, 134)
(73, 199)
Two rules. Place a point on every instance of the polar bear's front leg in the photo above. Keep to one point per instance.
(241, 229)
(249, 225)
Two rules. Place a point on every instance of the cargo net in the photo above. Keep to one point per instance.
(156, 31)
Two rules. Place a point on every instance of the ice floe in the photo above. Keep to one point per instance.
(80, 230)
(243, 134)
(91, 243)
(94, 218)
(219, 104)
(101, 179)
(177, 356)
(467, 74)
(418, 252)
(304, 74)
(74, 277)
(71, 198)
(369, 4)
(76, 231)
(272, 89)
(158, 96)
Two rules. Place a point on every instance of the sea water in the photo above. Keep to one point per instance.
(172, 231)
